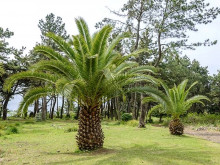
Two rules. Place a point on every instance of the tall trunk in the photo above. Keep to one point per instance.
(51, 104)
(36, 107)
(161, 115)
(111, 109)
(138, 109)
(57, 103)
(134, 106)
(5, 105)
(44, 108)
(53, 107)
(142, 115)
(165, 16)
(114, 109)
(90, 135)
(61, 109)
(118, 108)
(0, 112)
(129, 106)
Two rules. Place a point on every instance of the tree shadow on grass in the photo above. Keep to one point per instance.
(152, 154)
(83, 156)
(157, 155)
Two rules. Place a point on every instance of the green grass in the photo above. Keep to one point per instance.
(50, 143)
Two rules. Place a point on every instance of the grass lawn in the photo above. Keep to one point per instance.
(49, 143)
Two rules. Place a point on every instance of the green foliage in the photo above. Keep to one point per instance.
(126, 117)
(17, 124)
(2, 126)
(29, 122)
(174, 101)
(2, 71)
(11, 130)
(215, 93)
(175, 69)
(38, 117)
(152, 22)
(202, 119)
(132, 123)
(52, 24)
(8, 66)
(86, 67)
(73, 129)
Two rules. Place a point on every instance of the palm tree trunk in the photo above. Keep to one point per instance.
(176, 127)
(90, 135)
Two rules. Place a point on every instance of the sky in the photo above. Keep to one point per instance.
(22, 17)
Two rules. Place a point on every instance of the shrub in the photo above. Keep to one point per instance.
(150, 120)
(166, 122)
(38, 117)
(203, 119)
(28, 122)
(126, 117)
(17, 124)
(74, 129)
(2, 126)
(133, 123)
(11, 130)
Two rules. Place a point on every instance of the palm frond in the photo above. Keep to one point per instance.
(29, 75)
(84, 31)
(31, 96)
(63, 45)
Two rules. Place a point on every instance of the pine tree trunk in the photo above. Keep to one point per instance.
(53, 107)
(44, 108)
(5, 105)
(142, 115)
(134, 106)
(61, 109)
(90, 135)
(36, 107)
(111, 110)
(109, 107)
(160, 121)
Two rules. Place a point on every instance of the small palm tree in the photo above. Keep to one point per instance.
(87, 68)
(174, 101)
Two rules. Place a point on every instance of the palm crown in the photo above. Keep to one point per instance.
(87, 66)
(174, 101)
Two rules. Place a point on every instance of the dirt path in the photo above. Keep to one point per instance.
(211, 135)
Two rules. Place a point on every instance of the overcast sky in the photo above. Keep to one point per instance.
(22, 17)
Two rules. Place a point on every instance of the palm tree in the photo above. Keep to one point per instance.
(174, 102)
(88, 69)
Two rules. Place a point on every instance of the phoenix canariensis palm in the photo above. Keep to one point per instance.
(88, 68)
(174, 102)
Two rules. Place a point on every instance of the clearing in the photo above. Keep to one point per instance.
(50, 143)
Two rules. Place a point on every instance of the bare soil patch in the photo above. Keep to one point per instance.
(205, 133)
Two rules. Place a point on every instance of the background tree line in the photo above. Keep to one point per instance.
(160, 26)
